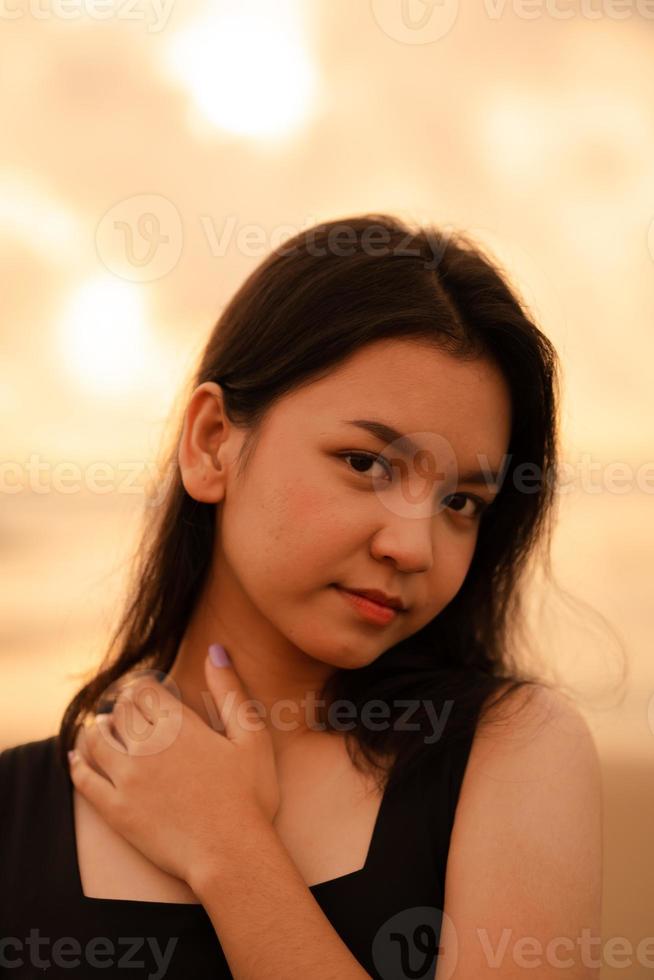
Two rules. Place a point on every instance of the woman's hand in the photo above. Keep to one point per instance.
(175, 788)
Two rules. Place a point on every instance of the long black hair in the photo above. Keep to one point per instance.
(313, 302)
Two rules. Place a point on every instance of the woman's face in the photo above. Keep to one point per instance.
(305, 517)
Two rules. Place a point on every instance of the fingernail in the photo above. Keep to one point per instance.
(218, 656)
(72, 755)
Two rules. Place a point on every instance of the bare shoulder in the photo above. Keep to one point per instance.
(524, 870)
(532, 725)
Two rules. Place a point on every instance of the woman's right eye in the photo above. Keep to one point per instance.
(368, 459)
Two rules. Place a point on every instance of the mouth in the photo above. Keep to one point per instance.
(374, 612)
(375, 595)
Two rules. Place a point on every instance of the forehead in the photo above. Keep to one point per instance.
(414, 387)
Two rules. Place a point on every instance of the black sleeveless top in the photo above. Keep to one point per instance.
(388, 913)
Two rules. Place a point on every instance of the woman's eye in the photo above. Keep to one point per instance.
(479, 505)
(363, 462)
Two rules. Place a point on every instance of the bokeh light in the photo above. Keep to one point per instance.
(102, 336)
(247, 68)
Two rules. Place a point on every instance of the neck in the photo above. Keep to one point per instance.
(283, 679)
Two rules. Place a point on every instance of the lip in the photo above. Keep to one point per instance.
(382, 598)
(373, 612)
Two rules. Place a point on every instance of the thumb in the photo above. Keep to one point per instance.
(239, 713)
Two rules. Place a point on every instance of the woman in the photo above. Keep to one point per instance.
(346, 787)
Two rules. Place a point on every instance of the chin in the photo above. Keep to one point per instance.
(349, 657)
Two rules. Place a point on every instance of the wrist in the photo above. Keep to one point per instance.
(232, 855)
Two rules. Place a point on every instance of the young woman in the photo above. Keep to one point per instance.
(346, 787)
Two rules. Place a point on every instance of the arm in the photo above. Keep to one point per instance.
(524, 873)
(269, 924)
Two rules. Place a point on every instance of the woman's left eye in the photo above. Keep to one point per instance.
(479, 504)
(368, 459)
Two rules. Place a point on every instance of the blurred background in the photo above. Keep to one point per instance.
(155, 151)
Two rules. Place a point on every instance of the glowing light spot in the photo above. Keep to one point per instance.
(248, 70)
(103, 335)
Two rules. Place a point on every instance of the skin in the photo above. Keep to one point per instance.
(301, 518)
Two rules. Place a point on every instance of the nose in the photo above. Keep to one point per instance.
(408, 541)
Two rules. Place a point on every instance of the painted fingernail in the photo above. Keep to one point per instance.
(218, 656)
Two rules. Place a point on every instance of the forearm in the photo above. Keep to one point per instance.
(268, 923)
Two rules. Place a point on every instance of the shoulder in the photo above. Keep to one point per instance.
(26, 765)
(30, 779)
(532, 725)
(27, 753)
(533, 751)
(529, 750)
(525, 851)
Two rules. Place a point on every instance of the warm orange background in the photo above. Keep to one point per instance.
(152, 155)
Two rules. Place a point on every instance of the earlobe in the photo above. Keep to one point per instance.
(201, 485)
(201, 472)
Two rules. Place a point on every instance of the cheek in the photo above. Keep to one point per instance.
(301, 504)
(285, 532)
(311, 523)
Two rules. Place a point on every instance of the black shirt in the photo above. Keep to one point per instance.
(388, 913)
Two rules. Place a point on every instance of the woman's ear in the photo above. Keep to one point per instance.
(202, 454)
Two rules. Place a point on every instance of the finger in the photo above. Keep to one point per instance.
(155, 700)
(81, 745)
(95, 788)
(109, 717)
(240, 714)
(130, 724)
(149, 695)
(105, 749)
(148, 714)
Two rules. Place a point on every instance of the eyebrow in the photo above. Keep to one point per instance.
(386, 433)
